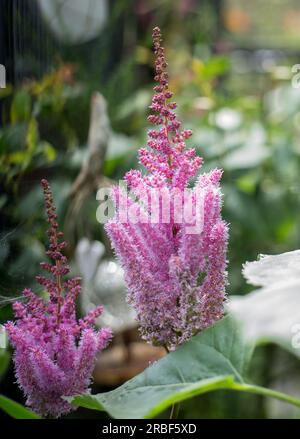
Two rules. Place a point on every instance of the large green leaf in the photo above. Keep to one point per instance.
(16, 410)
(215, 359)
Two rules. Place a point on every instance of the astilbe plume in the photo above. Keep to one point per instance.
(54, 354)
(176, 279)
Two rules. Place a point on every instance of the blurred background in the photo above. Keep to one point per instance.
(79, 78)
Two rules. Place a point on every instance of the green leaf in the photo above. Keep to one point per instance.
(148, 400)
(4, 361)
(16, 410)
(211, 360)
(21, 107)
(215, 359)
(32, 136)
(48, 150)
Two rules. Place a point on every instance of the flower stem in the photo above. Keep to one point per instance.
(175, 407)
(175, 411)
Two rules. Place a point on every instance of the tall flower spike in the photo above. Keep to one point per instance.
(54, 353)
(176, 278)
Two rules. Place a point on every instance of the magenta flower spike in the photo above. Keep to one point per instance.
(54, 354)
(176, 278)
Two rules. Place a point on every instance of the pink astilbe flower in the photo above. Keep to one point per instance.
(54, 353)
(176, 279)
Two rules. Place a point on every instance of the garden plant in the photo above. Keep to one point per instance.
(175, 264)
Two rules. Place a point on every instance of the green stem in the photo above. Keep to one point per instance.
(175, 407)
(266, 392)
(174, 411)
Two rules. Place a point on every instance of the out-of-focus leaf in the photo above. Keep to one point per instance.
(247, 182)
(272, 312)
(252, 153)
(16, 410)
(118, 165)
(119, 145)
(136, 103)
(48, 150)
(3, 200)
(7, 91)
(20, 107)
(282, 102)
(245, 211)
(246, 157)
(285, 229)
(228, 119)
(210, 69)
(32, 135)
(272, 270)
(18, 157)
(4, 361)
